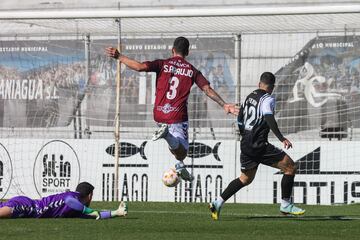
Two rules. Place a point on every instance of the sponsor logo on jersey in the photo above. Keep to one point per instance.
(167, 108)
(6, 171)
(56, 168)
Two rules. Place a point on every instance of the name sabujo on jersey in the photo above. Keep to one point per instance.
(178, 71)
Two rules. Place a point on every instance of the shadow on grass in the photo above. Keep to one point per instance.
(293, 218)
(129, 218)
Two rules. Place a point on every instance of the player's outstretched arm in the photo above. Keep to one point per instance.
(121, 211)
(228, 108)
(131, 63)
(76, 205)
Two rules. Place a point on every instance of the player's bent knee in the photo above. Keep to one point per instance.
(290, 169)
(287, 165)
(293, 169)
(246, 180)
(180, 153)
(291, 166)
(180, 157)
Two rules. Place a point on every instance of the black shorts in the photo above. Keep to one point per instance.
(270, 156)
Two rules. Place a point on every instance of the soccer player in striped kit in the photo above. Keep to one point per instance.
(63, 205)
(174, 79)
(255, 119)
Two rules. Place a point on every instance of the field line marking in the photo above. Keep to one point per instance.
(305, 217)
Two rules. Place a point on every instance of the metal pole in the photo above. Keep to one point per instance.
(238, 68)
(117, 115)
(87, 76)
(81, 95)
(237, 49)
(75, 123)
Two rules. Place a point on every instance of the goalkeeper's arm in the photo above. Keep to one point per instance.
(76, 205)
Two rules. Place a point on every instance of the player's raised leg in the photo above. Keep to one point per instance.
(287, 165)
(176, 135)
(246, 177)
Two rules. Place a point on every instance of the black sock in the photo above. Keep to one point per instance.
(287, 183)
(231, 189)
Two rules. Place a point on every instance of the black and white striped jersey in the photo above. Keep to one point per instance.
(252, 125)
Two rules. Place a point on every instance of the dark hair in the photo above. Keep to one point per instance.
(267, 78)
(181, 46)
(84, 188)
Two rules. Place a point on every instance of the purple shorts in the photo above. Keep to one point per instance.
(22, 207)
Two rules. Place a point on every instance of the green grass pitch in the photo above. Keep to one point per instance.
(192, 221)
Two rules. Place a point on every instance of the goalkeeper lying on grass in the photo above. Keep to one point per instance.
(62, 205)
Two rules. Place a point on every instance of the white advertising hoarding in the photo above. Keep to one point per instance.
(328, 172)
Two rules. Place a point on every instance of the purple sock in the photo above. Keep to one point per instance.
(105, 214)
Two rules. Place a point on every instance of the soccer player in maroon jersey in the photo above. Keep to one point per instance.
(174, 79)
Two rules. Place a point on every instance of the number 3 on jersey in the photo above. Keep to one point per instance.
(174, 83)
(249, 117)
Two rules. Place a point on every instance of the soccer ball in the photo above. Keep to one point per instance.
(171, 178)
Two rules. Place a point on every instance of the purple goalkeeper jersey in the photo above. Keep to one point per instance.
(52, 206)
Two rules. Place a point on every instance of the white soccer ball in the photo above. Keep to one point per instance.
(170, 178)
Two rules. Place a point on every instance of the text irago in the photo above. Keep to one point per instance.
(135, 186)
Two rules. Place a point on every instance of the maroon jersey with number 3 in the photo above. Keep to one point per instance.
(174, 79)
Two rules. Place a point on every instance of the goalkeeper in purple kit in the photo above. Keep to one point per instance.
(63, 205)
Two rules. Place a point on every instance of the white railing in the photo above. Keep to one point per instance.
(183, 12)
